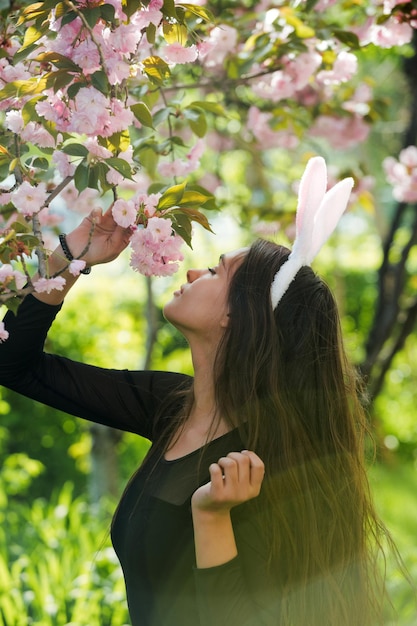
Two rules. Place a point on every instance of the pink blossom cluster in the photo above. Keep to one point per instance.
(10, 275)
(184, 166)
(259, 125)
(29, 199)
(340, 132)
(285, 83)
(155, 246)
(214, 49)
(402, 174)
(156, 250)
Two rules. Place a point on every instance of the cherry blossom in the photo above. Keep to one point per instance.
(148, 202)
(29, 199)
(35, 133)
(8, 274)
(112, 87)
(124, 212)
(402, 174)
(259, 124)
(3, 332)
(344, 67)
(86, 55)
(341, 133)
(76, 266)
(63, 163)
(155, 250)
(176, 53)
(14, 121)
(391, 33)
(222, 40)
(46, 285)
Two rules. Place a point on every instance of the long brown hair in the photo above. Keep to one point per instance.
(282, 376)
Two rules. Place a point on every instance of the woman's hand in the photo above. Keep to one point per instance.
(98, 239)
(234, 479)
(100, 236)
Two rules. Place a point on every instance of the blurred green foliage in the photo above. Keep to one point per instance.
(56, 564)
(57, 567)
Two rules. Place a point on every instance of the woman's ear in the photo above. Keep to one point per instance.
(224, 322)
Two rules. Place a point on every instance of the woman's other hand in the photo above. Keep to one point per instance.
(234, 479)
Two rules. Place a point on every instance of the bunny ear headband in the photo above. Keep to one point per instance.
(318, 213)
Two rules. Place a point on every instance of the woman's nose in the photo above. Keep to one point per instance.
(193, 274)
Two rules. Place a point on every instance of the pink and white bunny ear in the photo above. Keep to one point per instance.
(318, 213)
(331, 210)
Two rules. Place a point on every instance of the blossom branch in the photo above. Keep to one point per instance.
(39, 250)
(19, 293)
(58, 190)
(77, 11)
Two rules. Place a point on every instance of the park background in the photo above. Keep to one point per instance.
(60, 478)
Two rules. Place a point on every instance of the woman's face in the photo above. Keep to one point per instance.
(200, 306)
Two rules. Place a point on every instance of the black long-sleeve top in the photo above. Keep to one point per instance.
(152, 530)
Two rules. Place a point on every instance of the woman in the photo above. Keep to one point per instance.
(202, 536)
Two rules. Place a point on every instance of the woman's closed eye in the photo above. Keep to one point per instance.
(211, 270)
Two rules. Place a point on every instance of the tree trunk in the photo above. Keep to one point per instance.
(104, 475)
(396, 306)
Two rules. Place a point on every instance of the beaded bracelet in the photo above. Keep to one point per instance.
(67, 252)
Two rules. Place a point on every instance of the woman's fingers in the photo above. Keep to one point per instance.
(234, 479)
(257, 468)
(242, 474)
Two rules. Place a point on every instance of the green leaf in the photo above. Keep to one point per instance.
(199, 126)
(24, 52)
(151, 33)
(171, 197)
(20, 226)
(348, 38)
(5, 157)
(309, 5)
(93, 176)
(32, 34)
(74, 89)
(102, 170)
(30, 240)
(156, 69)
(161, 116)
(41, 163)
(118, 142)
(36, 11)
(107, 12)
(169, 9)
(59, 60)
(100, 81)
(181, 224)
(62, 78)
(92, 15)
(13, 304)
(199, 11)
(75, 149)
(68, 18)
(174, 33)
(191, 198)
(81, 176)
(205, 105)
(194, 215)
(143, 114)
(23, 88)
(121, 166)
